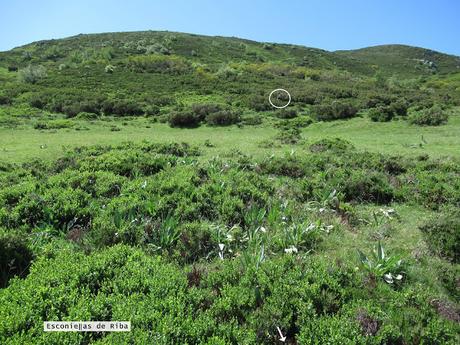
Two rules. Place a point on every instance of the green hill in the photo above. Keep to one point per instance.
(404, 60)
(164, 69)
(392, 59)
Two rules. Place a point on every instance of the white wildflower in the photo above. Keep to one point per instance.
(291, 250)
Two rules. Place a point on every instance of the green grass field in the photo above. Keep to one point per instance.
(396, 138)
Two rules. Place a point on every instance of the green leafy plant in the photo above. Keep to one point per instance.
(253, 256)
(389, 268)
(299, 237)
(166, 233)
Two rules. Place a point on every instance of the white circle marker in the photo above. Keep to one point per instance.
(279, 90)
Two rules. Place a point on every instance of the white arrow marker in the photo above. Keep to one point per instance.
(283, 338)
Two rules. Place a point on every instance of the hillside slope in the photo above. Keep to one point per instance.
(391, 59)
(404, 60)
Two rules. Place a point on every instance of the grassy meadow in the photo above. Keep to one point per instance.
(25, 143)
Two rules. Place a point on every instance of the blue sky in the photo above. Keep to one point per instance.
(330, 25)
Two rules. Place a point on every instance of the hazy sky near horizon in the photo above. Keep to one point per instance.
(326, 24)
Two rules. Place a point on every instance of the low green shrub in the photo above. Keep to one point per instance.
(197, 240)
(259, 103)
(15, 256)
(286, 113)
(152, 110)
(381, 114)
(121, 107)
(174, 65)
(253, 120)
(442, 234)
(400, 107)
(184, 118)
(5, 99)
(367, 186)
(87, 116)
(54, 124)
(301, 121)
(334, 111)
(433, 116)
(310, 300)
(449, 276)
(334, 145)
(433, 187)
(206, 109)
(222, 118)
(295, 123)
(289, 136)
(39, 100)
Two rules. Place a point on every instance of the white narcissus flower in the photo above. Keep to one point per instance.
(311, 226)
(263, 229)
(388, 278)
(291, 250)
(329, 228)
(221, 246)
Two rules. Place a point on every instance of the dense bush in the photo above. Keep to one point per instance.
(335, 145)
(442, 234)
(433, 116)
(184, 118)
(38, 100)
(15, 256)
(253, 120)
(449, 275)
(54, 124)
(334, 111)
(400, 107)
(297, 122)
(212, 114)
(5, 100)
(151, 110)
(222, 118)
(286, 113)
(381, 114)
(301, 121)
(158, 64)
(120, 107)
(203, 110)
(87, 116)
(259, 103)
(73, 107)
(289, 135)
(234, 302)
(368, 186)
